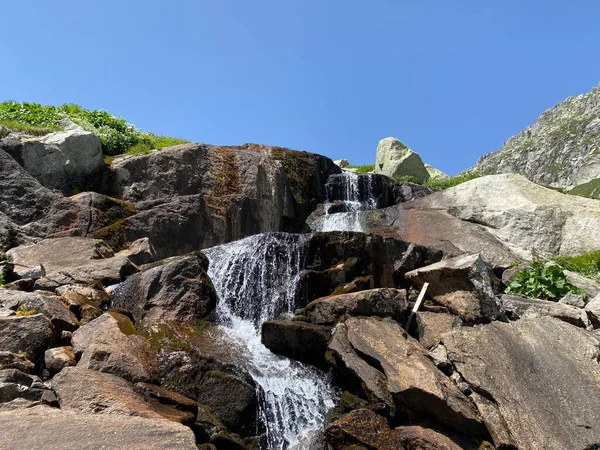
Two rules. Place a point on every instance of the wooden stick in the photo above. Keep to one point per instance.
(417, 305)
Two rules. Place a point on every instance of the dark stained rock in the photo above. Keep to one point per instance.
(111, 344)
(383, 302)
(361, 428)
(24, 429)
(296, 339)
(10, 360)
(77, 296)
(167, 397)
(431, 326)
(415, 437)
(517, 307)
(178, 291)
(462, 285)
(56, 359)
(40, 302)
(18, 390)
(30, 334)
(232, 400)
(537, 378)
(139, 252)
(395, 367)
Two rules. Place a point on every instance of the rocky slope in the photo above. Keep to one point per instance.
(561, 149)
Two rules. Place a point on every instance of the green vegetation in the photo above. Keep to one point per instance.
(406, 179)
(22, 311)
(587, 264)
(445, 183)
(591, 189)
(1, 279)
(115, 134)
(542, 280)
(362, 169)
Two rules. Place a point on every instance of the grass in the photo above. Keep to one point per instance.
(591, 189)
(115, 134)
(1, 280)
(587, 264)
(362, 169)
(445, 183)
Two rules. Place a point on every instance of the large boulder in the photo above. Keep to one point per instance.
(393, 368)
(111, 344)
(462, 285)
(30, 334)
(395, 159)
(538, 377)
(382, 302)
(24, 429)
(177, 291)
(70, 159)
(361, 428)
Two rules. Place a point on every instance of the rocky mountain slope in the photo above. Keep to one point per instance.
(561, 149)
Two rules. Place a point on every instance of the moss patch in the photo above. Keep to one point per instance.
(591, 189)
(125, 324)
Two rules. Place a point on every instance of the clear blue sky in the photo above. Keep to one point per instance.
(451, 79)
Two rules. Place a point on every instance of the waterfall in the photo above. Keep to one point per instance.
(347, 194)
(256, 279)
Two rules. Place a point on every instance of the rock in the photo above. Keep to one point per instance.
(178, 291)
(517, 307)
(299, 340)
(593, 311)
(88, 391)
(431, 326)
(29, 334)
(361, 429)
(341, 163)
(534, 359)
(29, 210)
(392, 366)
(33, 273)
(572, 300)
(209, 428)
(111, 344)
(462, 285)
(435, 173)
(9, 360)
(383, 302)
(139, 252)
(167, 397)
(558, 149)
(232, 400)
(589, 286)
(58, 429)
(415, 437)
(74, 260)
(395, 159)
(40, 302)
(65, 160)
(56, 359)
(77, 297)
(21, 389)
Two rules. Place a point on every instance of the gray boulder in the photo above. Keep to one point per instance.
(462, 285)
(518, 307)
(56, 359)
(18, 390)
(431, 326)
(395, 159)
(341, 163)
(66, 160)
(435, 173)
(593, 311)
(589, 286)
(545, 366)
(24, 429)
(30, 334)
(572, 300)
(111, 344)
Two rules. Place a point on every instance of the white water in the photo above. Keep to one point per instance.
(353, 201)
(256, 279)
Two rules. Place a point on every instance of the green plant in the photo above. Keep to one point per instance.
(406, 179)
(587, 264)
(1, 279)
(22, 311)
(363, 169)
(445, 183)
(541, 279)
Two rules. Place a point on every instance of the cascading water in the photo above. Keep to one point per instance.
(256, 279)
(345, 198)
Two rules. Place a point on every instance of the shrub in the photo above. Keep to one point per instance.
(362, 169)
(406, 179)
(542, 280)
(587, 264)
(445, 183)
(115, 134)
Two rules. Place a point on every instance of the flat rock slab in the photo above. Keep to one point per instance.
(538, 378)
(517, 307)
(44, 427)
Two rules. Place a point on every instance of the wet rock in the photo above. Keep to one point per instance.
(111, 344)
(517, 307)
(56, 359)
(462, 285)
(88, 313)
(9, 360)
(29, 334)
(58, 429)
(431, 326)
(296, 339)
(396, 366)
(139, 252)
(179, 291)
(77, 297)
(383, 302)
(232, 400)
(361, 428)
(40, 302)
(534, 360)
(573, 300)
(89, 391)
(167, 397)
(18, 389)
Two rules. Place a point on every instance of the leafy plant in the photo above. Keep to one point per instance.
(587, 264)
(542, 280)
